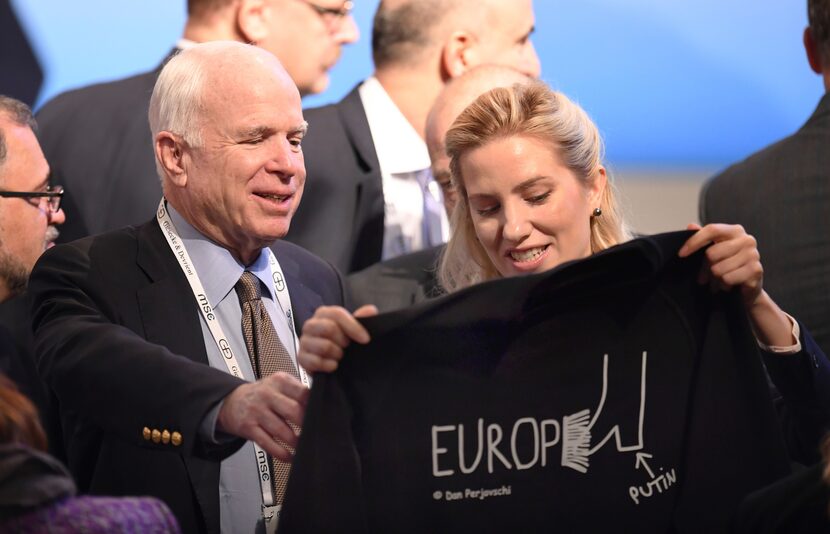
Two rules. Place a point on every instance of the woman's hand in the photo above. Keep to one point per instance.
(330, 330)
(733, 261)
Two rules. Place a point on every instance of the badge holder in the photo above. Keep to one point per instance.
(271, 515)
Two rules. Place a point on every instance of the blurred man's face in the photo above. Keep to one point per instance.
(440, 166)
(306, 36)
(27, 226)
(507, 41)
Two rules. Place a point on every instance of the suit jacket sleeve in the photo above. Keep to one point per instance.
(92, 353)
(803, 384)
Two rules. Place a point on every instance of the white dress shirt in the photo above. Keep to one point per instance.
(402, 155)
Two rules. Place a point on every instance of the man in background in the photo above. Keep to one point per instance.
(370, 194)
(781, 195)
(97, 139)
(29, 213)
(405, 280)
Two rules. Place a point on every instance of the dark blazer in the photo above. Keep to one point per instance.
(97, 140)
(398, 282)
(340, 217)
(119, 342)
(781, 195)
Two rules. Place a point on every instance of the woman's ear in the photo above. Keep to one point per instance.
(596, 188)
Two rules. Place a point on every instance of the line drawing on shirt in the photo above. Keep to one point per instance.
(576, 429)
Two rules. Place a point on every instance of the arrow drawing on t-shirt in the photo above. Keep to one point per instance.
(641, 460)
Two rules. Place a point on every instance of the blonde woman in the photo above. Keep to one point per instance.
(532, 194)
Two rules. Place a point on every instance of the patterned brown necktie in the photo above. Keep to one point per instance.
(267, 353)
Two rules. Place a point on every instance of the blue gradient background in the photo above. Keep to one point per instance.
(681, 85)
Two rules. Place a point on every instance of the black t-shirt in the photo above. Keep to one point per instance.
(610, 393)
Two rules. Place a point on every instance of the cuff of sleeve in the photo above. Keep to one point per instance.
(207, 430)
(789, 349)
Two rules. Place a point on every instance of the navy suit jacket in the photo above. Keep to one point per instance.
(98, 143)
(341, 216)
(397, 282)
(119, 342)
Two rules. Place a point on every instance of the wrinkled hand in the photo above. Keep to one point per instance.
(259, 412)
(733, 259)
(330, 330)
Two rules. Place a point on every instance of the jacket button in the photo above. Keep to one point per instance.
(165, 437)
(176, 439)
(146, 433)
(156, 435)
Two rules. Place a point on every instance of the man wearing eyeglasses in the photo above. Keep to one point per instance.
(29, 207)
(97, 138)
(29, 213)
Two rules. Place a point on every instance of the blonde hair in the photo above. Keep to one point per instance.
(534, 110)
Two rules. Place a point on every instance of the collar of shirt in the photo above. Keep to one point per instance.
(218, 270)
(398, 146)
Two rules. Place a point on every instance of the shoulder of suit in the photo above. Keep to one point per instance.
(112, 240)
(420, 266)
(336, 113)
(758, 164)
(92, 100)
(113, 252)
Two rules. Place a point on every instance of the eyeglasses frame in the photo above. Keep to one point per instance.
(337, 14)
(51, 193)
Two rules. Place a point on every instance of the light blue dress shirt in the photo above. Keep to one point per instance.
(240, 495)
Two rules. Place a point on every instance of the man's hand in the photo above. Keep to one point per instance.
(260, 412)
(330, 330)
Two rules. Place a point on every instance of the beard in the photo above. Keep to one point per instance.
(13, 273)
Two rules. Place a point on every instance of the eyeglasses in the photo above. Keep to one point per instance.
(53, 195)
(331, 15)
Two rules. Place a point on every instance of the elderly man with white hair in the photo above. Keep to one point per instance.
(171, 346)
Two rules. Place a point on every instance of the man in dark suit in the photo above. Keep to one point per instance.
(97, 140)
(141, 332)
(405, 280)
(369, 195)
(29, 213)
(782, 197)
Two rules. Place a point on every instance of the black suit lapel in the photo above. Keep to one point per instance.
(167, 306)
(370, 208)
(171, 319)
(353, 117)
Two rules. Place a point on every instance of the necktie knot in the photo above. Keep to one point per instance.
(247, 289)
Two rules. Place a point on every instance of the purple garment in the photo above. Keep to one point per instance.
(37, 496)
(93, 515)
